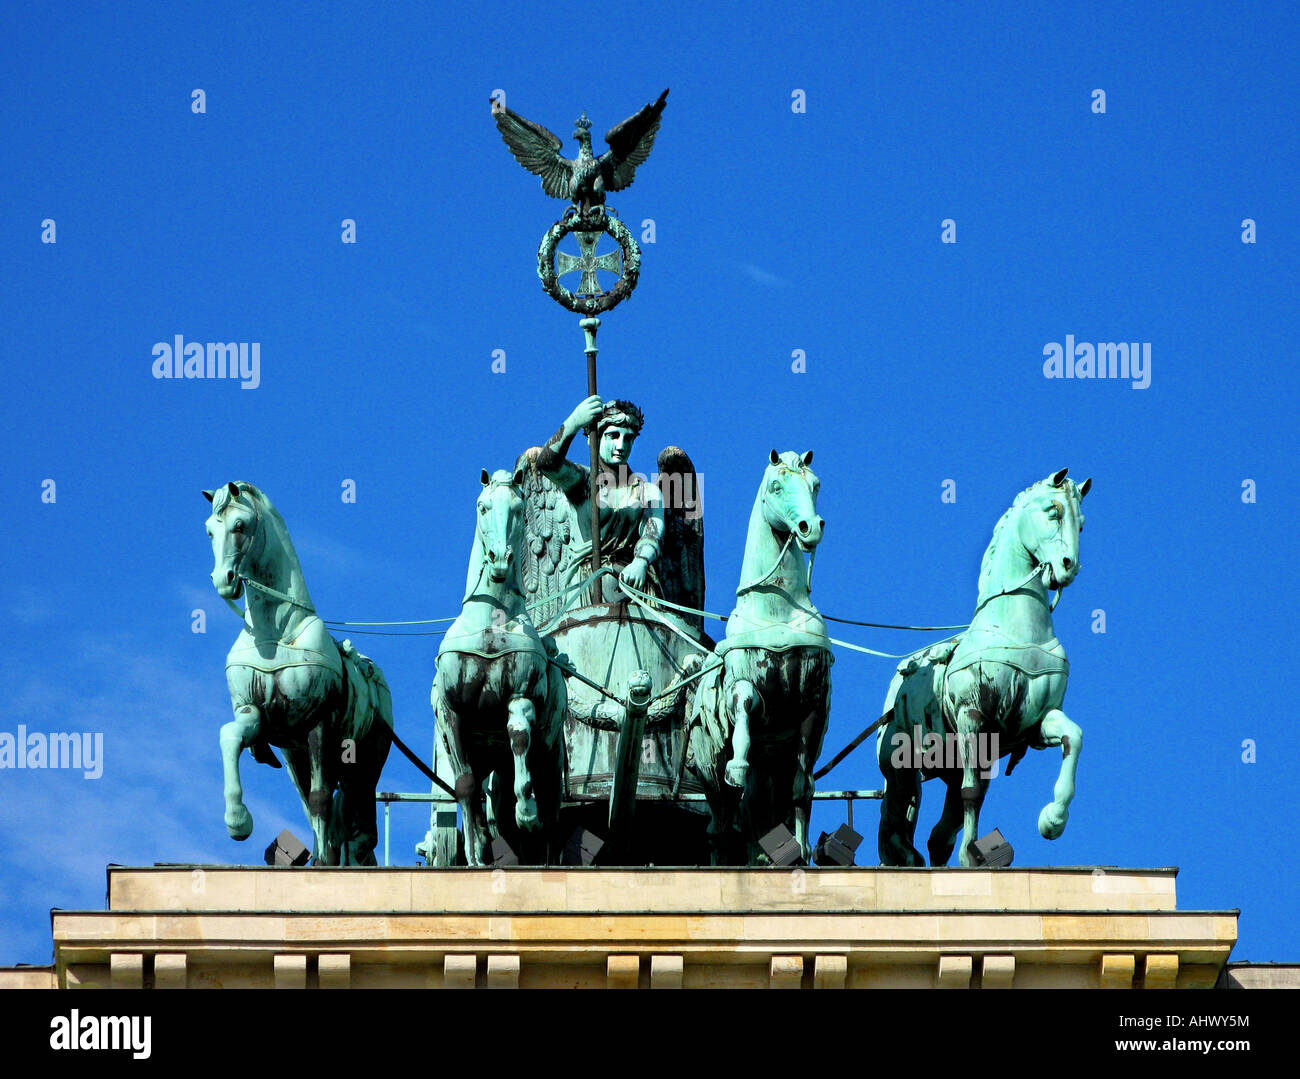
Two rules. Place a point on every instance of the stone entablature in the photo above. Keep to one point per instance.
(174, 926)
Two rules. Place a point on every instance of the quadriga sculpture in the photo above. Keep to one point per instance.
(757, 723)
(1004, 678)
(292, 686)
(498, 703)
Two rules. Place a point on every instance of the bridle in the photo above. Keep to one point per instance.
(789, 538)
(1041, 569)
(250, 583)
(510, 549)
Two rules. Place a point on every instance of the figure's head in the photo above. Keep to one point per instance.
(639, 687)
(582, 130)
(617, 429)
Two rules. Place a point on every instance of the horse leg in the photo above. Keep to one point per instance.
(744, 702)
(968, 725)
(236, 736)
(357, 785)
(898, 808)
(519, 725)
(466, 785)
(811, 732)
(320, 800)
(297, 761)
(492, 806)
(943, 836)
(1059, 730)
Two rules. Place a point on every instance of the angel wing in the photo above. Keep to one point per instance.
(538, 150)
(630, 144)
(550, 527)
(680, 567)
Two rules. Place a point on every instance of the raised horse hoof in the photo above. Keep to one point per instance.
(1051, 821)
(526, 815)
(239, 823)
(737, 773)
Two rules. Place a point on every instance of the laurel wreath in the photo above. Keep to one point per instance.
(589, 305)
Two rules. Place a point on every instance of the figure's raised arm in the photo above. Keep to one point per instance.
(553, 460)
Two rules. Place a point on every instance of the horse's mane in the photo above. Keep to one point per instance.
(269, 515)
(986, 565)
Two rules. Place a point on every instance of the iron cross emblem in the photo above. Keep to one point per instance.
(588, 262)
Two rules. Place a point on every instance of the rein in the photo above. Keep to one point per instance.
(250, 583)
(789, 538)
(1037, 571)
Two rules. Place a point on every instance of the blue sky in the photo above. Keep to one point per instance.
(776, 230)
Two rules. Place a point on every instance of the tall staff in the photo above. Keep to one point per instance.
(584, 182)
(589, 327)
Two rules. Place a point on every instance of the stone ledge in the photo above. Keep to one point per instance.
(703, 890)
(204, 927)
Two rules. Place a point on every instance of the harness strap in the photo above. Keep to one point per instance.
(278, 595)
(855, 743)
(775, 566)
(1037, 571)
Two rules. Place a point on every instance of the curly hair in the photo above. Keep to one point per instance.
(618, 410)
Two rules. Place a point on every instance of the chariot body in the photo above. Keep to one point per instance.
(630, 646)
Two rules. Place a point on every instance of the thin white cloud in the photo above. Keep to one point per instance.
(762, 276)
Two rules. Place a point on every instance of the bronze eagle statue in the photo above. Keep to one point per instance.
(583, 181)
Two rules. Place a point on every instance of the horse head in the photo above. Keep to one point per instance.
(235, 531)
(789, 498)
(500, 522)
(1049, 524)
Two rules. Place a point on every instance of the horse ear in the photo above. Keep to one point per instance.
(807, 459)
(234, 491)
(485, 477)
(518, 478)
(1059, 478)
(1085, 487)
(209, 495)
(776, 458)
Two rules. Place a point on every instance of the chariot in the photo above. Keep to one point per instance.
(580, 706)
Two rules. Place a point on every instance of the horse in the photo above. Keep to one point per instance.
(293, 686)
(498, 701)
(994, 691)
(758, 720)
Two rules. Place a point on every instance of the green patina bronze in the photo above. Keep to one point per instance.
(758, 720)
(577, 688)
(292, 686)
(584, 181)
(1005, 676)
(624, 264)
(624, 735)
(498, 701)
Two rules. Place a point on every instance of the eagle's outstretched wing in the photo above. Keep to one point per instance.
(538, 150)
(629, 145)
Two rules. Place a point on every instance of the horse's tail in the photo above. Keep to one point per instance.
(706, 729)
(557, 697)
(368, 697)
(915, 693)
